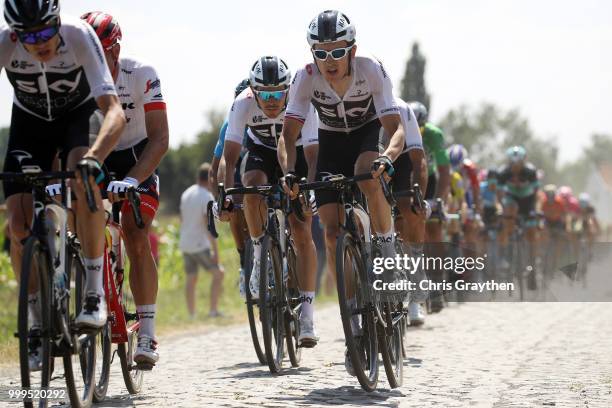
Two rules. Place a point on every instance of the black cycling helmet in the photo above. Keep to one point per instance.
(24, 14)
(244, 84)
(420, 112)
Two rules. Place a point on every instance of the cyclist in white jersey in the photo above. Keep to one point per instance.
(354, 99)
(261, 108)
(59, 76)
(134, 161)
(410, 167)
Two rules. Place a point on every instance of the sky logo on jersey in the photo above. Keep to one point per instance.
(152, 85)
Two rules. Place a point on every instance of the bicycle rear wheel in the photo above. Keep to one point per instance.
(252, 305)
(34, 332)
(357, 311)
(272, 303)
(391, 344)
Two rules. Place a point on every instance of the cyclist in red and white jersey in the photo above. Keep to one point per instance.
(261, 108)
(59, 76)
(141, 147)
(354, 99)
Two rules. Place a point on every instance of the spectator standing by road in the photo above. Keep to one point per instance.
(198, 246)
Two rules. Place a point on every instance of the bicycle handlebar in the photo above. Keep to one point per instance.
(31, 178)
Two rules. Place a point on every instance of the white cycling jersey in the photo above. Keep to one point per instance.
(262, 130)
(412, 133)
(140, 92)
(49, 90)
(369, 97)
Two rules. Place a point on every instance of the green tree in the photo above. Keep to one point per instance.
(177, 170)
(487, 131)
(413, 83)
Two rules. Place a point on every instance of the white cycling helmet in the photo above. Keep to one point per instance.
(330, 26)
(269, 71)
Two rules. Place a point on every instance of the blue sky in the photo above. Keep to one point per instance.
(552, 59)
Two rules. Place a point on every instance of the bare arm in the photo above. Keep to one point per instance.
(157, 131)
(111, 129)
(393, 126)
(311, 153)
(231, 153)
(419, 168)
(286, 144)
(212, 176)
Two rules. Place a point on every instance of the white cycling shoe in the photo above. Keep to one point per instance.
(146, 350)
(94, 313)
(254, 280)
(415, 314)
(308, 336)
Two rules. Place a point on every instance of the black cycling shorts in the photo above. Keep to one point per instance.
(265, 159)
(120, 162)
(338, 152)
(526, 205)
(402, 175)
(432, 184)
(39, 141)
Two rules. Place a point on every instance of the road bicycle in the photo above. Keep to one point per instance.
(372, 323)
(279, 304)
(52, 270)
(123, 325)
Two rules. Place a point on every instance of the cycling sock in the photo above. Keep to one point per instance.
(34, 309)
(93, 279)
(307, 303)
(387, 245)
(257, 246)
(241, 254)
(146, 317)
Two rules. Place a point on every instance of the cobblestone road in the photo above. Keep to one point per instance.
(489, 355)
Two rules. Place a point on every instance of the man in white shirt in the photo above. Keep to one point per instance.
(198, 246)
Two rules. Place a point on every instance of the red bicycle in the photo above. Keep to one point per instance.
(123, 325)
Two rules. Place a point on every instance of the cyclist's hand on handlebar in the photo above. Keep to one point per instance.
(93, 167)
(289, 183)
(117, 190)
(223, 214)
(382, 164)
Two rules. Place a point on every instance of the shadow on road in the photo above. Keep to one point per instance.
(345, 394)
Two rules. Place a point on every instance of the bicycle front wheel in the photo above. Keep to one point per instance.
(271, 303)
(80, 367)
(357, 311)
(34, 320)
(252, 305)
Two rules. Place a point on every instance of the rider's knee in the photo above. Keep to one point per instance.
(370, 187)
